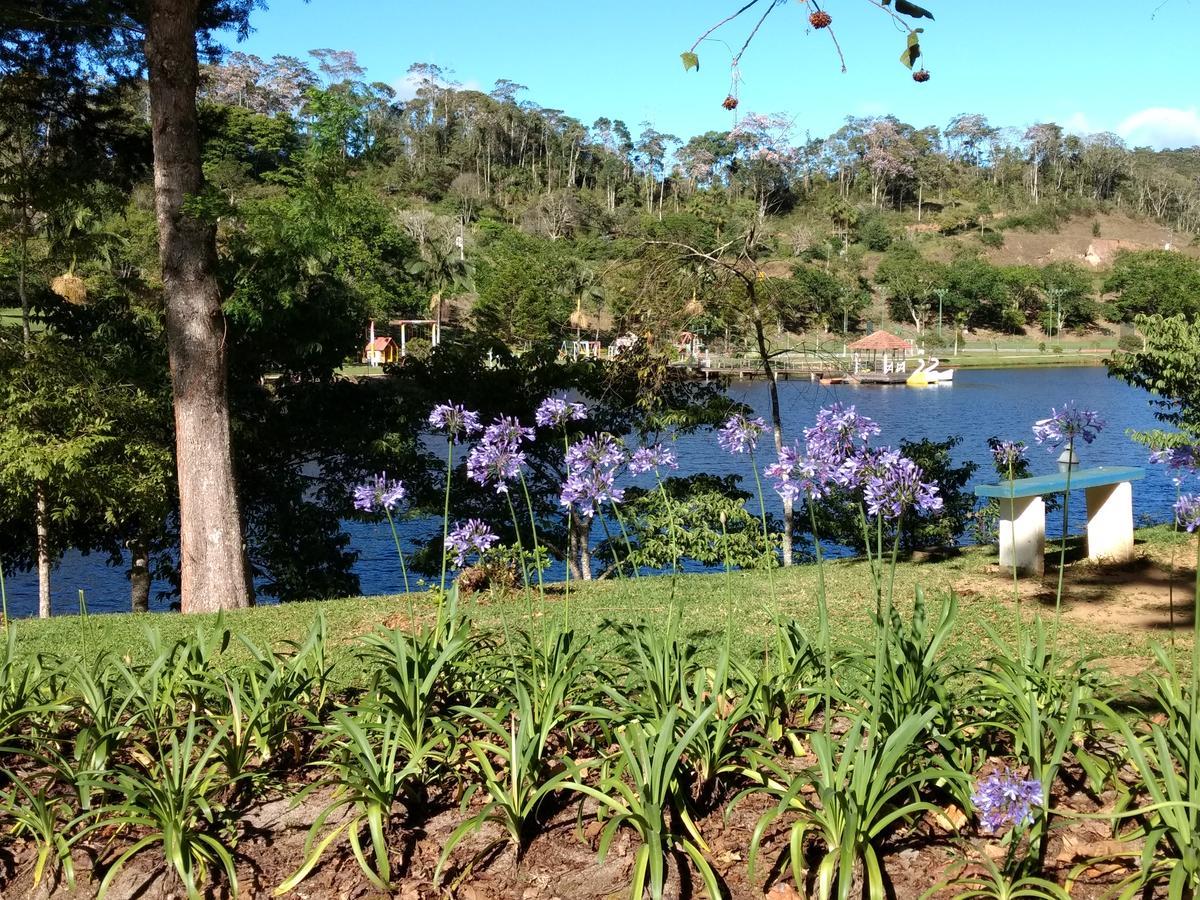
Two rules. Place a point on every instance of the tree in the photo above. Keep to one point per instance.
(213, 569)
(1151, 282)
(1169, 368)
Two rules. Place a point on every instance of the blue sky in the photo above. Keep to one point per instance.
(1100, 65)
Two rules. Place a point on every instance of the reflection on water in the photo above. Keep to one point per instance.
(978, 405)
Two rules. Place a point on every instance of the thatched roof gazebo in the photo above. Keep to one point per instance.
(880, 351)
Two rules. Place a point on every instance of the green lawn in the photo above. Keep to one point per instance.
(747, 600)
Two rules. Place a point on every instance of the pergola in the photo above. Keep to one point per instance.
(880, 351)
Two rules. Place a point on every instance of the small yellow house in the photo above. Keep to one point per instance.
(381, 350)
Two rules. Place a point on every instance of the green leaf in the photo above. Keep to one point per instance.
(690, 61)
(913, 51)
(912, 10)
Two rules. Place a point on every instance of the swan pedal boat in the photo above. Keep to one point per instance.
(929, 373)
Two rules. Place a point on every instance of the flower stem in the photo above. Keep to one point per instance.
(1062, 548)
(570, 538)
(446, 515)
(625, 535)
(521, 555)
(412, 619)
(1012, 503)
(611, 543)
(669, 507)
(822, 608)
(537, 550)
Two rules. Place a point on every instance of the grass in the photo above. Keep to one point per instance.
(706, 602)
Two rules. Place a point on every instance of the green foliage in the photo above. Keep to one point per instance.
(1154, 282)
(874, 234)
(521, 297)
(1168, 367)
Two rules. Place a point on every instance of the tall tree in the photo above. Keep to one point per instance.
(213, 570)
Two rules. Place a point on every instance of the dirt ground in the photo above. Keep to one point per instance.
(1148, 597)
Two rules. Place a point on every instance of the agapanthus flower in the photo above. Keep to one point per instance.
(554, 412)
(646, 458)
(894, 485)
(494, 463)
(740, 434)
(378, 493)
(508, 431)
(1187, 512)
(1004, 798)
(592, 467)
(1177, 457)
(838, 435)
(1009, 454)
(455, 421)
(472, 536)
(795, 476)
(1064, 425)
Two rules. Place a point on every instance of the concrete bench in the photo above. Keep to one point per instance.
(1023, 514)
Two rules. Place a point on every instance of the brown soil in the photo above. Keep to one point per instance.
(561, 862)
(1147, 596)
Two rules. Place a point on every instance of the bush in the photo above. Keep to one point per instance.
(991, 238)
(1130, 343)
(1095, 229)
(875, 235)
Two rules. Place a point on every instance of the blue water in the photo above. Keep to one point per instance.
(979, 404)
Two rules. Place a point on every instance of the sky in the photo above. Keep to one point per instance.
(1130, 67)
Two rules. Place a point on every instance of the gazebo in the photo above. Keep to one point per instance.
(880, 351)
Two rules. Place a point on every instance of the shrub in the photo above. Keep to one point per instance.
(875, 235)
(991, 238)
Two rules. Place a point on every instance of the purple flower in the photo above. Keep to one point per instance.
(554, 412)
(1177, 457)
(1003, 798)
(455, 421)
(741, 434)
(1009, 454)
(646, 458)
(838, 436)
(794, 475)
(1187, 512)
(592, 466)
(494, 463)
(1064, 425)
(894, 485)
(472, 536)
(378, 493)
(507, 431)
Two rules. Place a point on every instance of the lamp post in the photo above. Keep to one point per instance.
(941, 295)
(1055, 294)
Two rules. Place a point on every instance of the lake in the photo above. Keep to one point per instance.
(979, 404)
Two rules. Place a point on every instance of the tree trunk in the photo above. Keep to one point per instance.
(42, 523)
(139, 577)
(777, 424)
(212, 556)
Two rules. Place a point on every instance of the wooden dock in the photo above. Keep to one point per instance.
(808, 367)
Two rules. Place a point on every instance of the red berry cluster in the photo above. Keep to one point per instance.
(820, 19)
(730, 102)
(921, 76)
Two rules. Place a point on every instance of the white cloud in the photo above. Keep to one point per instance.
(1162, 127)
(1079, 123)
(406, 86)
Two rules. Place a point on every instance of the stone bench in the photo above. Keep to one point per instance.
(1023, 514)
